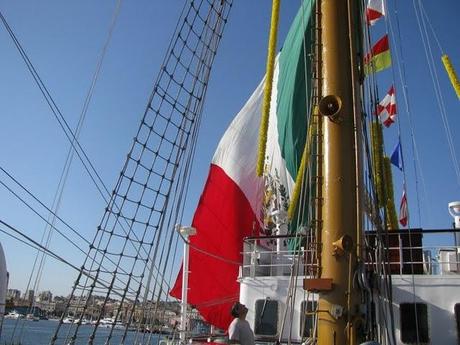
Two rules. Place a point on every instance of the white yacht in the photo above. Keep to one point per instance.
(68, 319)
(32, 317)
(14, 315)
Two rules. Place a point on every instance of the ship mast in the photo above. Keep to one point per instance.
(341, 222)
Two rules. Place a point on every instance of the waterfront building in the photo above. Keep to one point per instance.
(45, 296)
(13, 294)
(30, 295)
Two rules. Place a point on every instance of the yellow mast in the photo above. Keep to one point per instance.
(341, 223)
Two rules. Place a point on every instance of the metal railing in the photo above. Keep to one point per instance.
(405, 253)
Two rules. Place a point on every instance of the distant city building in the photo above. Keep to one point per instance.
(30, 296)
(13, 294)
(160, 314)
(59, 298)
(45, 296)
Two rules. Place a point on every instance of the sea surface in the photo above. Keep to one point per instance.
(40, 332)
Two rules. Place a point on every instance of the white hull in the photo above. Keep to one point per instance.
(436, 294)
(440, 293)
(275, 289)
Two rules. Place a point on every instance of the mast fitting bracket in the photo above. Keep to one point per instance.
(317, 284)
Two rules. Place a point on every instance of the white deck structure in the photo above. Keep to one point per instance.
(435, 289)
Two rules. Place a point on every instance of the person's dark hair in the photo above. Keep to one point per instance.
(235, 308)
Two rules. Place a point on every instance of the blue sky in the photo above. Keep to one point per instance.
(63, 40)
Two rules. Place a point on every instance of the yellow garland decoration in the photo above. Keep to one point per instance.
(451, 73)
(268, 86)
(377, 155)
(392, 218)
(301, 172)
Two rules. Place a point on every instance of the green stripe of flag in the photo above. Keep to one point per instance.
(293, 90)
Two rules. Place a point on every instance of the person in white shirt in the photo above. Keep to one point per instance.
(239, 331)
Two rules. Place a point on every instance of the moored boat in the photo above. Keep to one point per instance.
(14, 315)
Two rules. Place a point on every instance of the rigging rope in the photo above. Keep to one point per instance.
(87, 164)
(79, 248)
(374, 224)
(437, 87)
(302, 208)
(134, 235)
(68, 161)
(402, 78)
(445, 59)
(149, 181)
(72, 242)
(184, 178)
(89, 167)
(32, 243)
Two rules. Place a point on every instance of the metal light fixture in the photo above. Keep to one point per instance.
(454, 210)
(186, 232)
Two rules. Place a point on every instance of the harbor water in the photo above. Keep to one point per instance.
(40, 332)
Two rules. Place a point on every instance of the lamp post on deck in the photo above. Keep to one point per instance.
(454, 210)
(185, 232)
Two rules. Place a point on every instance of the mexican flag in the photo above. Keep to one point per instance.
(230, 207)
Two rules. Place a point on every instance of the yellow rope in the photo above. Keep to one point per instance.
(451, 73)
(268, 86)
(301, 173)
